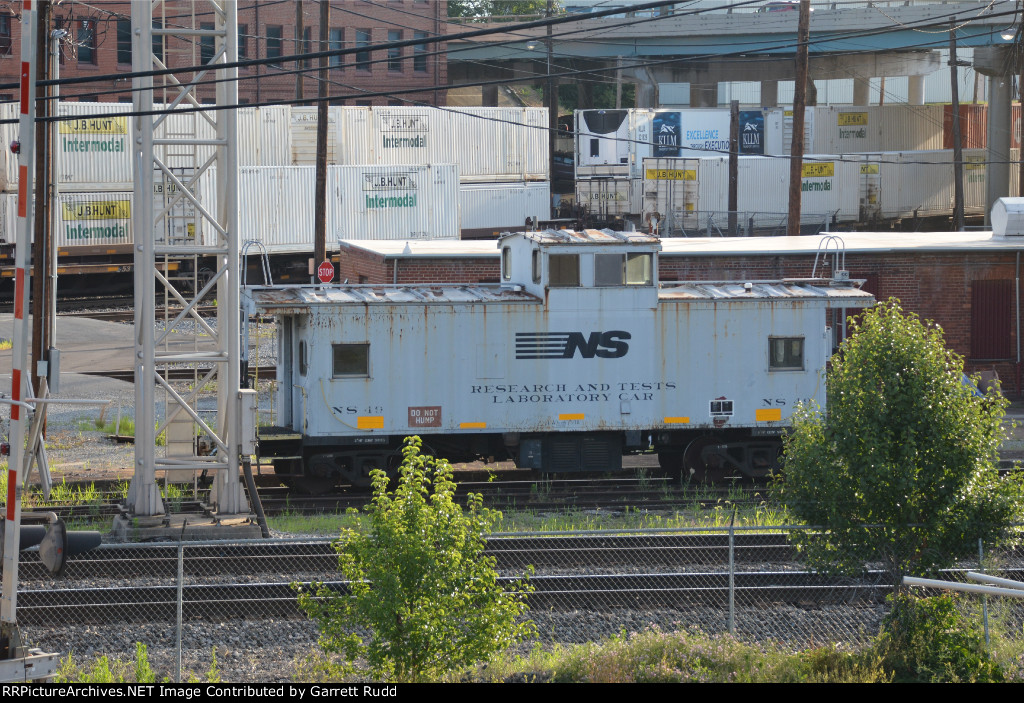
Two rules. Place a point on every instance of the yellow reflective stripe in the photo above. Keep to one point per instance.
(570, 416)
(768, 414)
(370, 422)
(676, 420)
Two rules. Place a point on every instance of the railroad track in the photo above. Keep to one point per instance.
(599, 592)
(128, 315)
(230, 580)
(635, 571)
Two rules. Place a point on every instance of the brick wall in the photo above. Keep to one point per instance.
(263, 83)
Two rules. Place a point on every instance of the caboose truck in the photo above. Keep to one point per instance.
(577, 357)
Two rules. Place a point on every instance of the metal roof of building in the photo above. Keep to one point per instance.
(854, 243)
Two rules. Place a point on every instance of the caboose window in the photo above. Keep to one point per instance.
(351, 360)
(506, 264)
(639, 269)
(608, 270)
(536, 266)
(785, 354)
(564, 270)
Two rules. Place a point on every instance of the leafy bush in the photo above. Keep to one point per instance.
(927, 639)
(904, 447)
(419, 582)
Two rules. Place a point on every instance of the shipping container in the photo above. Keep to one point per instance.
(614, 143)
(608, 200)
(849, 130)
(488, 209)
(82, 219)
(363, 202)
(920, 183)
(303, 133)
(94, 219)
(688, 194)
(974, 126)
(489, 144)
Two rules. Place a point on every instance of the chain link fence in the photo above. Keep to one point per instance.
(189, 602)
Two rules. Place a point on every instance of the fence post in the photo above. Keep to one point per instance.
(181, 587)
(984, 598)
(732, 574)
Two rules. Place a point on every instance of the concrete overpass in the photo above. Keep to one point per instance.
(858, 39)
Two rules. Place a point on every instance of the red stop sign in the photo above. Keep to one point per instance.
(325, 272)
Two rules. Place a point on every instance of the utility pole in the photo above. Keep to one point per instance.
(796, 162)
(734, 165)
(958, 154)
(300, 34)
(320, 211)
(552, 98)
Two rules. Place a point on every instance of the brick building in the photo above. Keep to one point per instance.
(964, 281)
(99, 43)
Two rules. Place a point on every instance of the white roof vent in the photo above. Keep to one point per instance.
(1008, 217)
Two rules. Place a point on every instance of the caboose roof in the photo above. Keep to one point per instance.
(585, 237)
(300, 299)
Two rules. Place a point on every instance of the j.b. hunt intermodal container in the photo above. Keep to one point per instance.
(93, 147)
(363, 202)
(82, 219)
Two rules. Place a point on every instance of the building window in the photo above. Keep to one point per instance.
(564, 270)
(335, 42)
(158, 41)
(306, 46)
(207, 45)
(124, 41)
(362, 55)
(86, 41)
(419, 53)
(243, 41)
(5, 35)
(351, 360)
(785, 353)
(274, 35)
(394, 52)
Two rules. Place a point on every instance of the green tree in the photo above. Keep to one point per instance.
(500, 10)
(900, 468)
(421, 589)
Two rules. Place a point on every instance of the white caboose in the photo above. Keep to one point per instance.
(576, 357)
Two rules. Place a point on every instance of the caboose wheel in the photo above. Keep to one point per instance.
(703, 466)
(319, 475)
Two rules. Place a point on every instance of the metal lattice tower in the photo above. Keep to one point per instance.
(176, 158)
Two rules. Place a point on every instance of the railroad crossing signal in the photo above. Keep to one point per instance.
(325, 272)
